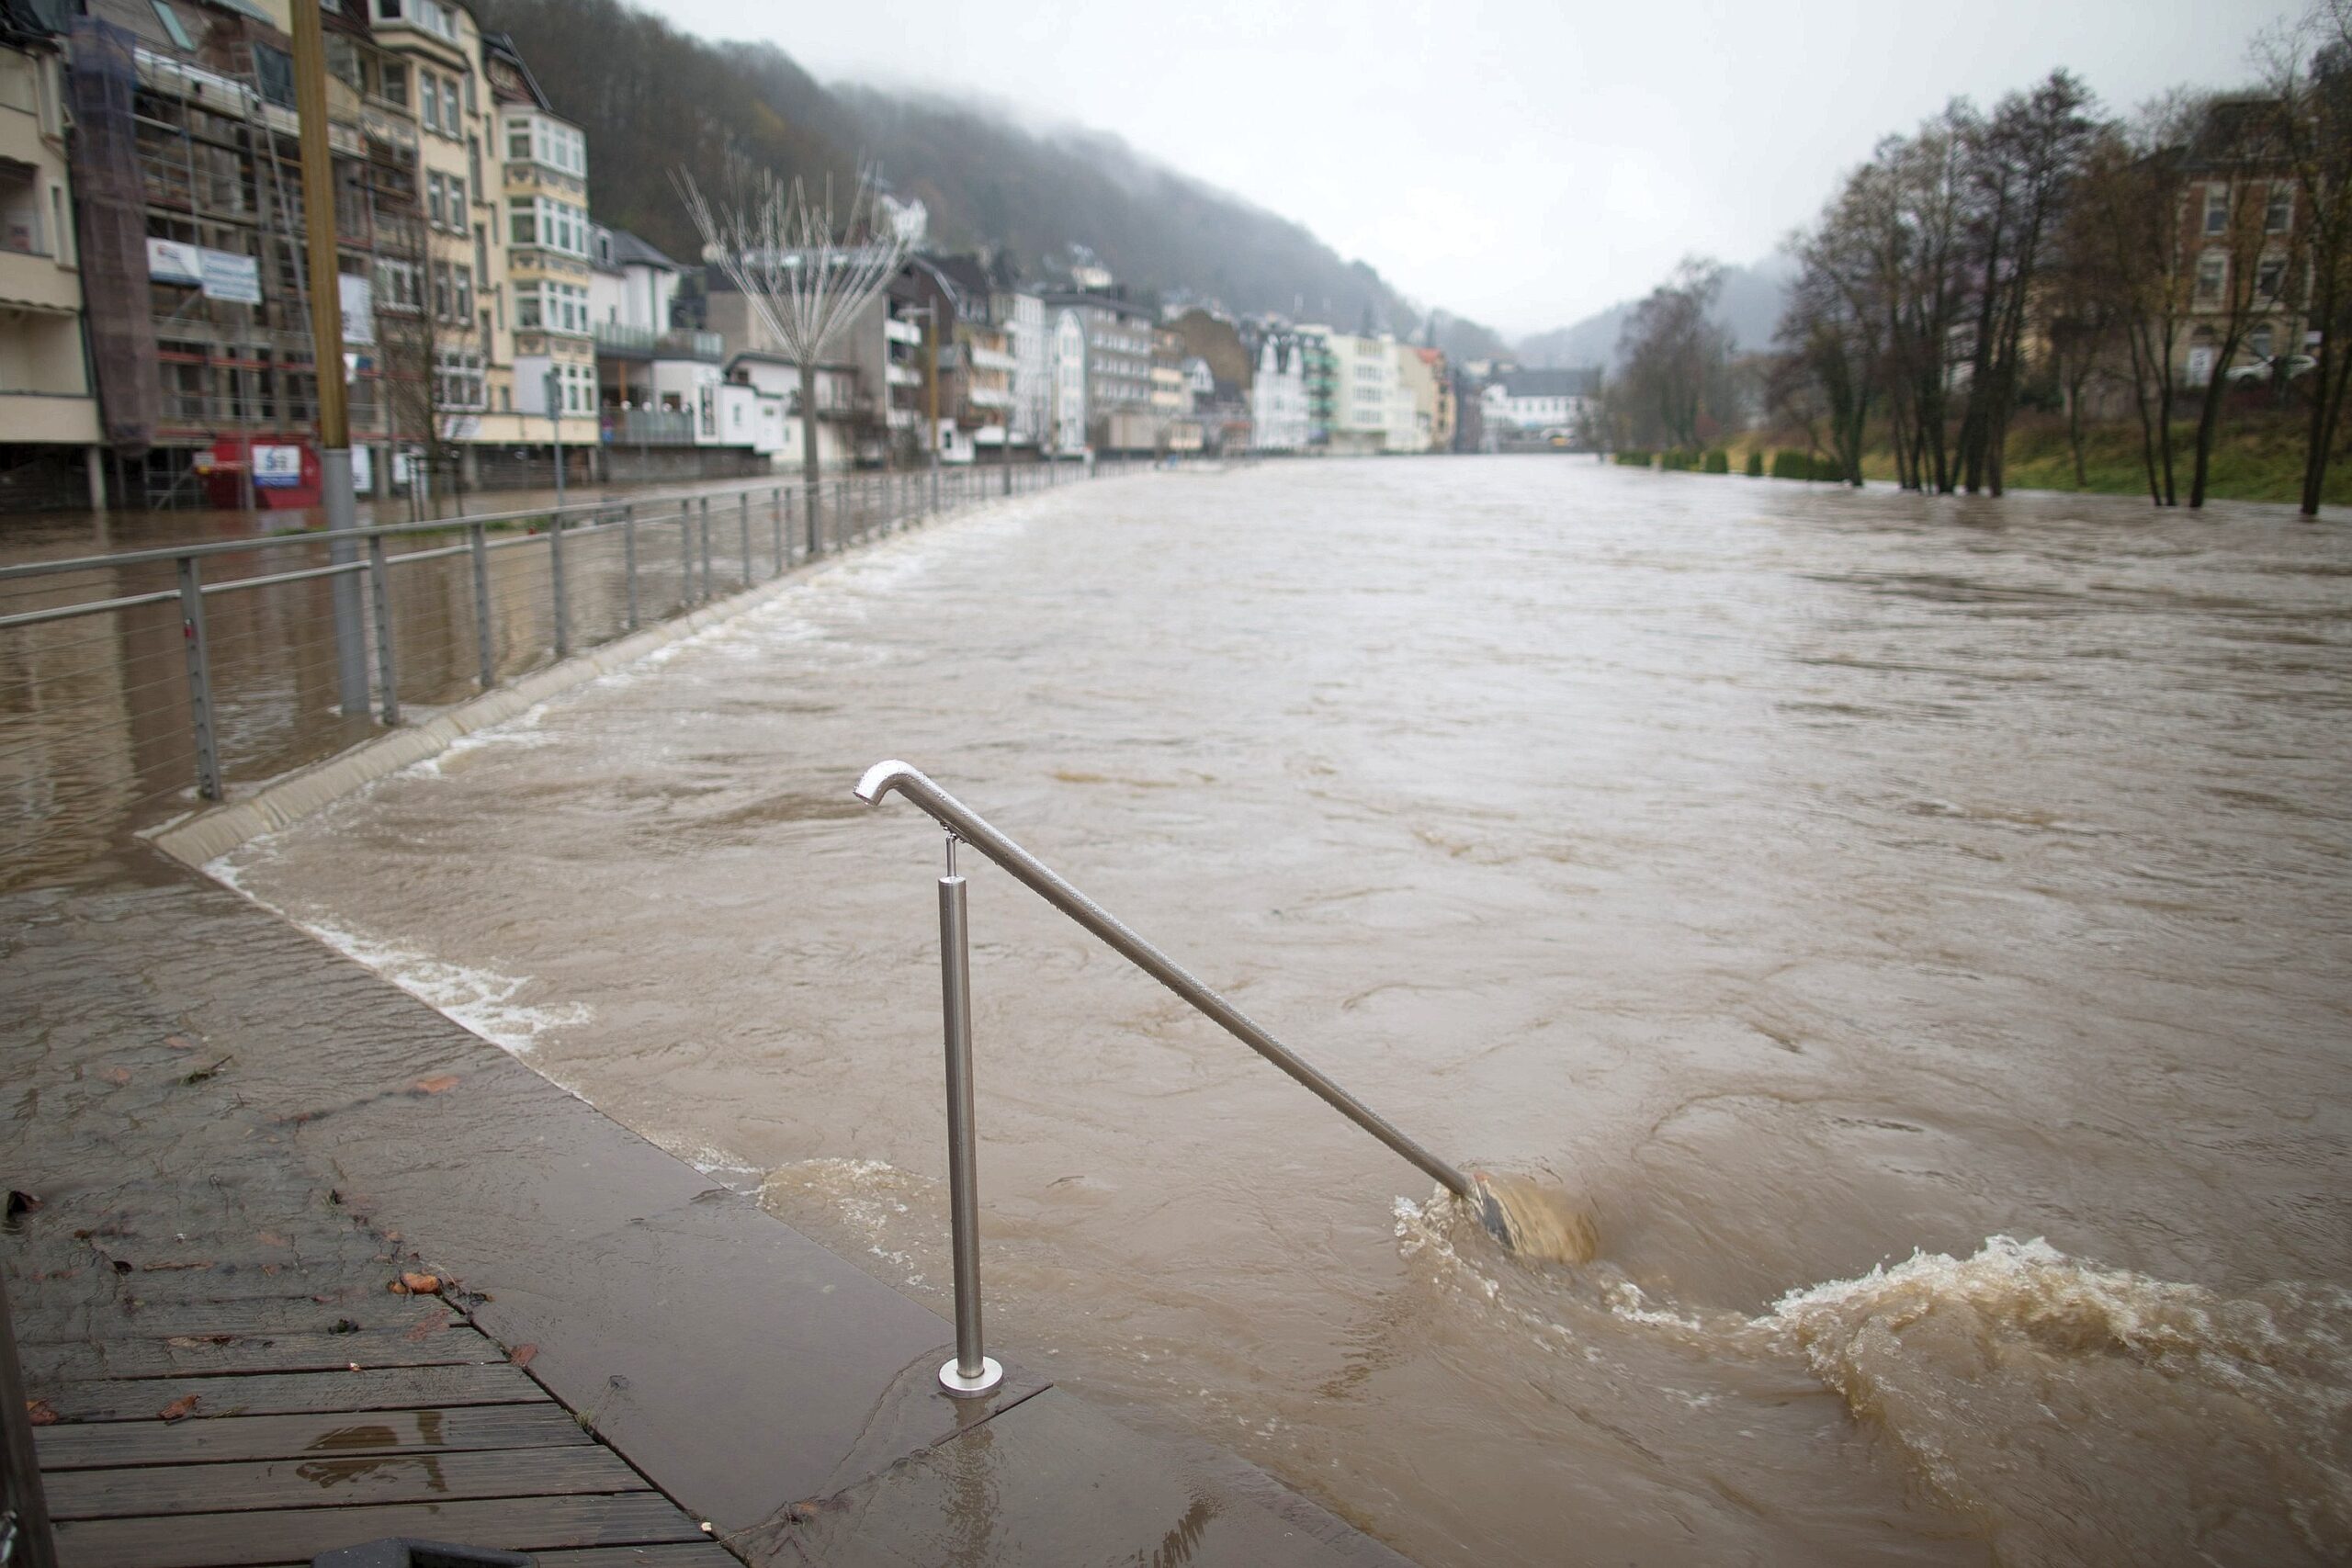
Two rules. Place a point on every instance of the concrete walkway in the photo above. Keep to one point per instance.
(170, 1039)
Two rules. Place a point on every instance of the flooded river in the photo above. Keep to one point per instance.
(1918, 928)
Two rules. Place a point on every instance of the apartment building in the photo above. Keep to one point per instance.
(1363, 393)
(1116, 364)
(2241, 228)
(1067, 417)
(50, 454)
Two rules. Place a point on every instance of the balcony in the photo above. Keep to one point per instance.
(988, 397)
(993, 359)
(647, 427)
(901, 376)
(897, 330)
(618, 340)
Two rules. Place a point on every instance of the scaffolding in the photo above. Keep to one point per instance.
(110, 204)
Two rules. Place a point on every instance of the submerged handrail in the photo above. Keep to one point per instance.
(970, 827)
(972, 1373)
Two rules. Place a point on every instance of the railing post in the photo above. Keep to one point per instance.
(555, 579)
(972, 1373)
(199, 681)
(27, 1509)
(705, 546)
(380, 588)
(628, 557)
(745, 508)
(485, 643)
(686, 553)
(775, 504)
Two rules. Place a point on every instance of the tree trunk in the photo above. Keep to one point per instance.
(2209, 421)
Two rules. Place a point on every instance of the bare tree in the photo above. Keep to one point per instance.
(1675, 358)
(2229, 168)
(2309, 67)
(2128, 207)
(804, 276)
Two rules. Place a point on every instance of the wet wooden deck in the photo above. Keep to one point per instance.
(224, 1434)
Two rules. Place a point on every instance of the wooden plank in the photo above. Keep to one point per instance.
(267, 1314)
(337, 1480)
(106, 1445)
(230, 1540)
(215, 1355)
(279, 1393)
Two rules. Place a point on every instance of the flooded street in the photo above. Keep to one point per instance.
(1918, 928)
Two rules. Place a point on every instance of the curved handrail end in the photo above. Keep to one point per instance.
(883, 777)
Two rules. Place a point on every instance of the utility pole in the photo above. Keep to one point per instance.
(326, 353)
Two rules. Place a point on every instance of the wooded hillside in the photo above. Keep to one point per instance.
(652, 97)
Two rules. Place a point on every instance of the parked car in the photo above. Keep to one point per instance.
(2287, 367)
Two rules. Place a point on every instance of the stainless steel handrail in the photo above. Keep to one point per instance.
(970, 1373)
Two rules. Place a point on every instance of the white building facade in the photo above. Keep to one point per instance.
(1278, 395)
(1033, 359)
(1069, 383)
(1363, 393)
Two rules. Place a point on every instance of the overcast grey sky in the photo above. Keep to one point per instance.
(1525, 162)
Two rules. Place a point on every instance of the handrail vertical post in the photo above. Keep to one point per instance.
(199, 681)
(485, 641)
(628, 557)
(775, 504)
(379, 589)
(686, 554)
(743, 508)
(972, 1373)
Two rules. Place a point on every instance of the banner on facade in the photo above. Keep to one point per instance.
(358, 309)
(169, 261)
(232, 278)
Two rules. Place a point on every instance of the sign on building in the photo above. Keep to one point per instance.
(232, 278)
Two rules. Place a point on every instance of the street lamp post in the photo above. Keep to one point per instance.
(555, 428)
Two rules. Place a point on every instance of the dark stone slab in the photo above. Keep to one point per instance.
(1054, 1481)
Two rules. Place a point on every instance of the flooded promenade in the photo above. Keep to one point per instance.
(1917, 927)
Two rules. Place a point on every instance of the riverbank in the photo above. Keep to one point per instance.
(2258, 455)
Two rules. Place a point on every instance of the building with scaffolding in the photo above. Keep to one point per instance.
(463, 232)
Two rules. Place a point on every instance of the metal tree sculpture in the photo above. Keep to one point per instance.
(804, 277)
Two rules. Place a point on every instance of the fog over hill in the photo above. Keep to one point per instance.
(1749, 308)
(652, 98)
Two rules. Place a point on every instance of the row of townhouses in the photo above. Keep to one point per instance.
(155, 343)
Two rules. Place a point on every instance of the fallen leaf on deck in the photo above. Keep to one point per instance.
(117, 1075)
(39, 1413)
(439, 1083)
(522, 1354)
(178, 1409)
(179, 1041)
(422, 1284)
(271, 1238)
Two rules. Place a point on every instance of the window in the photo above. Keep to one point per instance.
(2270, 278)
(428, 91)
(521, 221)
(173, 27)
(441, 297)
(2212, 272)
(395, 286)
(527, 305)
(462, 305)
(2217, 208)
(2278, 212)
(432, 203)
(473, 156)
(2259, 342)
(457, 380)
(396, 84)
(518, 140)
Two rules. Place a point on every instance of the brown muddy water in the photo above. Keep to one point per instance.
(1919, 928)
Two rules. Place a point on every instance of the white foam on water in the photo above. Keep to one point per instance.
(479, 999)
(896, 1215)
(2036, 1393)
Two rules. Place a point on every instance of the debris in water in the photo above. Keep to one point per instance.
(1535, 1219)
